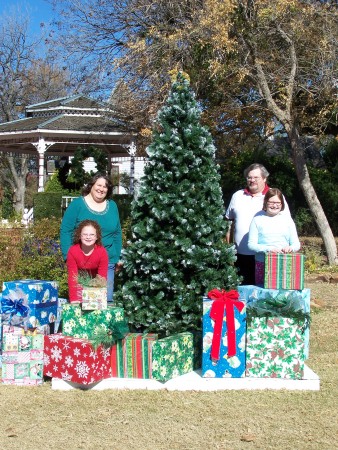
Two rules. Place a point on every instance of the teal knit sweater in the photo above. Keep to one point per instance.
(108, 220)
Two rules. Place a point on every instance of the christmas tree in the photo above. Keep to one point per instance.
(178, 250)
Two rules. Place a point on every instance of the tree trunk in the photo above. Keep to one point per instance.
(19, 171)
(311, 196)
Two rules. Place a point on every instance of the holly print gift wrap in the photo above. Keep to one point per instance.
(90, 324)
(291, 299)
(275, 338)
(75, 360)
(275, 348)
(172, 356)
(22, 357)
(224, 330)
(31, 303)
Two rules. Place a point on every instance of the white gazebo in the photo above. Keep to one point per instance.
(56, 128)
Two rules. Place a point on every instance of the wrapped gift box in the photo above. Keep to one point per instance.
(131, 357)
(61, 302)
(22, 357)
(275, 348)
(73, 359)
(227, 366)
(250, 293)
(172, 356)
(94, 298)
(284, 271)
(29, 303)
(0, 336)
(90, 324)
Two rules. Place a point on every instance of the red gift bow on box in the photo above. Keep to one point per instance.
(224, 301)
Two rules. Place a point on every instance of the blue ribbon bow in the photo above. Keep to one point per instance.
(14, 308)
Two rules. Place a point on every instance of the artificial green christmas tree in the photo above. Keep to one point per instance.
(178, 251)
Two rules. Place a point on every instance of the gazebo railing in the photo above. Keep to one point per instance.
(65, 202)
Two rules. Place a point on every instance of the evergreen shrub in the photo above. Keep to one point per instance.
(36, 256)
(47, 205)
(123, 202)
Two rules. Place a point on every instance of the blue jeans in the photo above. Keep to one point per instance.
(110, 282)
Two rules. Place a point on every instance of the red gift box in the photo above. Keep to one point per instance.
(75, 359)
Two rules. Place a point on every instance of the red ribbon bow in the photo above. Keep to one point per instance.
(224, 301)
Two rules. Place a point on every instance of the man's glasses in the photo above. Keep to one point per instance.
(253, 178)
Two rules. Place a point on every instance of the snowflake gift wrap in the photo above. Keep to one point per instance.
(231, 336)
(74, 359)
(29, 303)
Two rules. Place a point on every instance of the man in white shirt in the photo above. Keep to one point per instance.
(244, 204)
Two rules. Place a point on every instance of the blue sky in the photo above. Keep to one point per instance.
(38, 11)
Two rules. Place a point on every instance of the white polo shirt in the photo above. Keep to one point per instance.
(241, 210)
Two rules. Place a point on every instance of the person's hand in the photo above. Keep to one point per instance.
(118, 266)
(276, 250)
(287, 249)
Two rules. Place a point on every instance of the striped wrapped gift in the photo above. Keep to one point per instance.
(131, 357)
(284, 271)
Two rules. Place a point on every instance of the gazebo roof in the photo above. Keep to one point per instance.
(75, 101)
(65, 124)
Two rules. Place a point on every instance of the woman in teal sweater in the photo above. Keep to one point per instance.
(95, 204)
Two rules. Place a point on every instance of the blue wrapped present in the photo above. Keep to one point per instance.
(29, 303)
(224, 335)
(250, 293)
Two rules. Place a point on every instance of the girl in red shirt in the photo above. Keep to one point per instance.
(86, 256)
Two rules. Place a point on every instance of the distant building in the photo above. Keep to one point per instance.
(51, 131)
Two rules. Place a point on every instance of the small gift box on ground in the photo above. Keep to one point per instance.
(275, 339)
(131, 357)
(22, 357)
(172, 356)
(224, 329)
(97, 325)
(94, 298)
(251, 293)
(30, 303)
(284, 271)
(61, 302)
(73, 359)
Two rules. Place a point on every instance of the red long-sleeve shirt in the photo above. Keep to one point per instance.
(95, 264)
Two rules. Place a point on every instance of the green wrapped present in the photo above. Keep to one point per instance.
(172, 356)
(99, 326)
